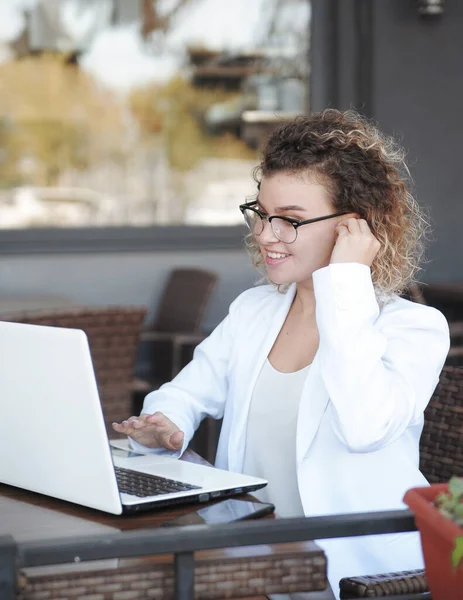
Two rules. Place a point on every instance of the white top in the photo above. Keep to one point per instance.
(270, 450)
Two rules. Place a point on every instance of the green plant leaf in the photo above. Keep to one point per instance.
(457, 553)
(442, 498)
(456, 486)
(459, 511)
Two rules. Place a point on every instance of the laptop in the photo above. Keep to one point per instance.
(54, 441)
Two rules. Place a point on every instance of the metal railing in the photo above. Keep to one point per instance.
(184, 541)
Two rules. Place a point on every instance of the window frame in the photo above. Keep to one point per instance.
(120, 239)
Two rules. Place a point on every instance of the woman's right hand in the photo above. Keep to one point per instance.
(153, 431)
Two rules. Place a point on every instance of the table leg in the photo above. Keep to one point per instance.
(184, 576)
(7, 568)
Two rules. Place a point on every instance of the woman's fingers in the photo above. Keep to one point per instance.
(155, 430)
(352, 225)
(176, 439)
(364, 227)
(137, 423)
(354, 242)
(127, 426)
(355, 226)
(167, 433)
(341, 230)
(157, 418)
(118, 427)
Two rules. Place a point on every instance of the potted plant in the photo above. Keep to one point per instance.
(438, 512)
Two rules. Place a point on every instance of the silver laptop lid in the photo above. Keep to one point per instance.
(53, 439)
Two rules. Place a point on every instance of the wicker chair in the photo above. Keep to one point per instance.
(448, 298)
(113, 334)
(171, 339)
(441, 456)
(176, 328)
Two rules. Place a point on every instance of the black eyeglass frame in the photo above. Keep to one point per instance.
(294, 222)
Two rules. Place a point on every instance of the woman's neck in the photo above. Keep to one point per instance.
(304, 300)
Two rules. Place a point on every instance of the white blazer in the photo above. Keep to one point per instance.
(361, 411)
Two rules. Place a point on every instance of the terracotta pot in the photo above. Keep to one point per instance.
(438, 538)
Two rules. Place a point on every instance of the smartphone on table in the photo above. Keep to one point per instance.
(225, 511)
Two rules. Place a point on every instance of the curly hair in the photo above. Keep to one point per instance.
(364, 171)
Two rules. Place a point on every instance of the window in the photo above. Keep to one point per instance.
(140, 113)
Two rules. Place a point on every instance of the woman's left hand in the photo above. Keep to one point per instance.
(354, 242)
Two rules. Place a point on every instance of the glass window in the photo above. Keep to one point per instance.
(142, 112)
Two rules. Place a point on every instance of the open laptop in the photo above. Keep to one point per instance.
(53, 438)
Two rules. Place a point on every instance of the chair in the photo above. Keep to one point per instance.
(172, 337)
(455, 355)
(113, 334)
(441, 444)
(176, 328)
(448, 298)
(441, 456)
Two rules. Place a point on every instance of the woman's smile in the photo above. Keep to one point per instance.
(275, 258)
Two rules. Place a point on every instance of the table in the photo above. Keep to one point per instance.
(33, 301)
(250, 571)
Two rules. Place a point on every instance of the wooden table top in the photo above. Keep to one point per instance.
(29, 516)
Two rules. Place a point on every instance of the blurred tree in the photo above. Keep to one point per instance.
(175, 110)
(145, 106)
(153, 19)
(157, 17)
(54, 117)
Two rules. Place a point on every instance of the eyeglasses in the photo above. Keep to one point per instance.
(284, 228)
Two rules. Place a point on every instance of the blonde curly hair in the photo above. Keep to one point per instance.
(365, 172)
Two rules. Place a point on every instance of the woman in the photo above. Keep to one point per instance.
(322, 376)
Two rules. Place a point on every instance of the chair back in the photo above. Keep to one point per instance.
(113, 334)
(441, 444)
(446, 297)
(449, 300)
(184, 300)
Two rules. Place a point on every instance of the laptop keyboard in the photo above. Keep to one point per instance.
(143, 485)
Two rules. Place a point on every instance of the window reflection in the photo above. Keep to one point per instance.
(144, 112)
